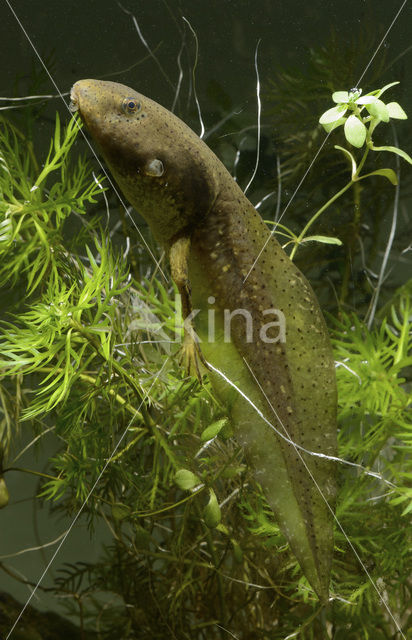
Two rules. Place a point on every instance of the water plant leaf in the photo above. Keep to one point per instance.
(378, 109)
(399, 152)
(213, 429)
(340, 96)
(387, 86)
(323, 239)
(333, 125)
(185, 479)
(387, 173)
(407, 509)
(366, 99)
(350, 156)
(211, 513)
(355, 131)
(331, 115)
(395, 111)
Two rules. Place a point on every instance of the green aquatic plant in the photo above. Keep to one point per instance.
(33, 212)
(88, 363)
(295, 94)
(358, 130)
(294, 99)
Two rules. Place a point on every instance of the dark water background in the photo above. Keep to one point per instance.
(98, 39)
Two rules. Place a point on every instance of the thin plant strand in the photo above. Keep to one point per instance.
(259, 112)
(199, 111)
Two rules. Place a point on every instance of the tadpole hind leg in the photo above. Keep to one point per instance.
(191, 356)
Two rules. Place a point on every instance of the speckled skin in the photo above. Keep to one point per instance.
(293, 383)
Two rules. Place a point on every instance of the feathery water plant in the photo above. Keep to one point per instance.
(33, 211)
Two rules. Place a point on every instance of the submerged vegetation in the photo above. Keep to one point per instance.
(361, 218)
(88, 361)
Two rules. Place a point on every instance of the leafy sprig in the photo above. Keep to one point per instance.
(355, 125)
(358, 129)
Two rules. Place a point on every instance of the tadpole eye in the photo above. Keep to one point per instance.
(131, 106)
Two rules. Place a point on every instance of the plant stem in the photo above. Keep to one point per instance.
(351, 241)
(215, 559)
(316, 216)
(115, 395)
(337, 195)
(34, 473)
(362, 162)
(93, 382)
